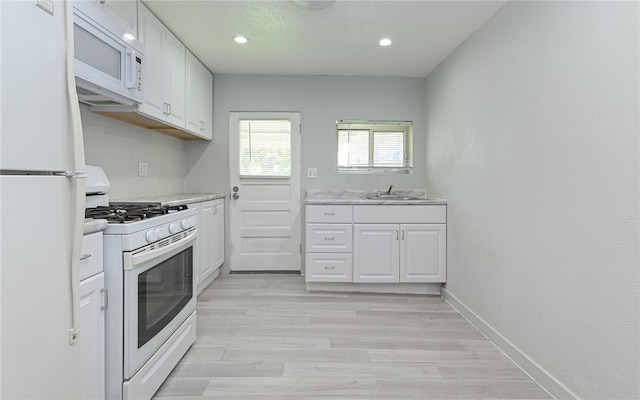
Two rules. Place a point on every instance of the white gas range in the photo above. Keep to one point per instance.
(149, 274)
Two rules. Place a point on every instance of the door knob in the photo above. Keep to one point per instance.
(235, 196)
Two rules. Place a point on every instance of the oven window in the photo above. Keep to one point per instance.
(162, 293)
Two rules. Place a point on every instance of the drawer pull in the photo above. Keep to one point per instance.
(329, 238)
(329, 214)
(329, 267)
(85, 256)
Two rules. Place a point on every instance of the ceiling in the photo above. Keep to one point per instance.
(342, 39)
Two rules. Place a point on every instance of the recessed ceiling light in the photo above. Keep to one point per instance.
(384, 42)
(240, 39)
(128, 36)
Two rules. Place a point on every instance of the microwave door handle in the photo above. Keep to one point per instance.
(131, 68)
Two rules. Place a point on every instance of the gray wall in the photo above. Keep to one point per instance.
(532, 136)
(321, 101)
(117, 147)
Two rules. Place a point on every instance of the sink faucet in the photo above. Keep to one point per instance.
(389, 191)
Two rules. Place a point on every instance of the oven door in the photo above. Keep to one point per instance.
(159, 283)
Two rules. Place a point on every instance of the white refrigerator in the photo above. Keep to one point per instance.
(41, 204)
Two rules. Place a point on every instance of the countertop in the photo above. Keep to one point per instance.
(360, 197)
(175, 199)
(93, 225)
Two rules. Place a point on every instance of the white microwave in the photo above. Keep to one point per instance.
(108, 70)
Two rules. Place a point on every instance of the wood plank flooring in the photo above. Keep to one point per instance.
(265, 337)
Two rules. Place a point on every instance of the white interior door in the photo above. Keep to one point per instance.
(264, 157)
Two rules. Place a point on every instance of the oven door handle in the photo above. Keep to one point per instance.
(134, 259)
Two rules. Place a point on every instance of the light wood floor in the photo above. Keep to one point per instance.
(265, 337)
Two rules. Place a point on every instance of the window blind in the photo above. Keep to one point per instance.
(265, 148)
(374, 146)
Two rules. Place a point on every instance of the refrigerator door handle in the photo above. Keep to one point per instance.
(72, 174)
(77, 175)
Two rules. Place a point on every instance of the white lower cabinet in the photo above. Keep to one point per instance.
(376, 253)
(210, 241)
(93, 305)
(376, 244)
(329, 244)
(423, 253)
(399, 253)
(207, 241)
(218, 225)
(92, 314)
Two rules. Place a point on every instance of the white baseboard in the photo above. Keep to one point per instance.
(547, 381)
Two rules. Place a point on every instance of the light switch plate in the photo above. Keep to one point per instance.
(142, 168)
(312, 173)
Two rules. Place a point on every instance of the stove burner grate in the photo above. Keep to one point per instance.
(121, 213)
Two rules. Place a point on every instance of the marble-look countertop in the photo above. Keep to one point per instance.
(364, 197)
(175, 199)
(94, 225)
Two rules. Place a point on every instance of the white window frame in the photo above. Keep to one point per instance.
(377, 126)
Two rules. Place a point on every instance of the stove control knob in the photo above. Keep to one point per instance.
(185, 224)
(162, 233)
(151, 236)
(174, 228)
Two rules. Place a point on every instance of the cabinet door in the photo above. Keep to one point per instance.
(375, 253)
(92, 351)
(207, 104)
(423, 253)
(218, 217)
(151, 33)
(175, 79)
(194, 95)
(207, 243)
(196, 250)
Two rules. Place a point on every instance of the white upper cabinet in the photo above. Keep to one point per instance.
(199, 98)
(117, 16)
(163, 71)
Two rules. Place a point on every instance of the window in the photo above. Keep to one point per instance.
(265, 148)
(374, 146)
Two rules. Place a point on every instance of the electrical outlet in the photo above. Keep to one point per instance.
(312, 173)
(142, 168)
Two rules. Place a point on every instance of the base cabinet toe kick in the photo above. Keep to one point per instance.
(376, 248)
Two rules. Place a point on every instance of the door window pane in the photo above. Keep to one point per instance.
(265, 148)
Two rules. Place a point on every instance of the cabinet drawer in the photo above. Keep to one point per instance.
(91, 255)
(329, 214)
(325, 267)
(329, 238)
(391, 214)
